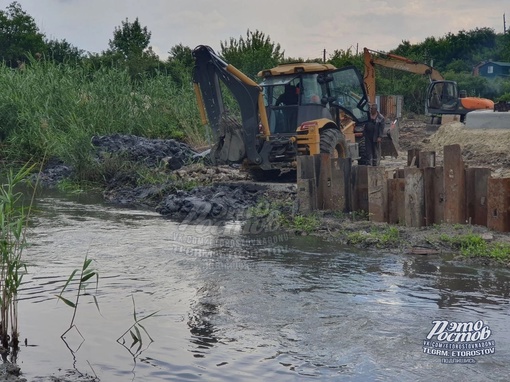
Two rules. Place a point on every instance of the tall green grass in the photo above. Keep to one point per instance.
(54, 110)
(13, 224)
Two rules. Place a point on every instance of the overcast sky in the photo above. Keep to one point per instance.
(302, 29)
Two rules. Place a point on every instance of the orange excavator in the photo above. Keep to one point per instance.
(443, 97)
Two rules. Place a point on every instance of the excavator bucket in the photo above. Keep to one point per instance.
(389, 144)
(233, 140)
(229, 148)
(391, 107)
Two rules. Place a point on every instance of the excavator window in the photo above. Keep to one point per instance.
(347, 92)
(311, 90)
(443, 95)
(281, 91)
(281, 96)
(289, 96)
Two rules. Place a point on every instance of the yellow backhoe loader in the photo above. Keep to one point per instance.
(296, 109)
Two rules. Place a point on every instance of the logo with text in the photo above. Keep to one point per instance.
(459, 342)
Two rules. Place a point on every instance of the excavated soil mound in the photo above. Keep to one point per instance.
(149, 151)
(476, 141)
(217, 202)
(480, 148)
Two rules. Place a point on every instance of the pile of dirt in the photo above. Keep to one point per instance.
(191, 192)
(480, 147)
(171, 198)
(216, 202)
(414, 134)
(151, 152)
(479, 141)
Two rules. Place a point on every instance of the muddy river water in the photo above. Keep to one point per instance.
(231, 307)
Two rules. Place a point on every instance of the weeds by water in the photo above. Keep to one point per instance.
(388, 236)
(473, 245)
(135, 332)
(83, 277)
(13, 223)
(85, 274)
(303, 223)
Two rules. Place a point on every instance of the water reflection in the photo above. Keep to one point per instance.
(459, 285)
(201, 328)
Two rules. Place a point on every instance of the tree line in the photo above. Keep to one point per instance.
(454, 55)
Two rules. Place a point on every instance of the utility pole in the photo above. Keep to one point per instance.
(504, 24)
(324, 56)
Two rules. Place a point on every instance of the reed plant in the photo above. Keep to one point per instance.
(13, 223)
(56, 109)
(86, 273)
(135, 333)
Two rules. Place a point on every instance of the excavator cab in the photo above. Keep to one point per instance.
(443, 97)
(292, 100)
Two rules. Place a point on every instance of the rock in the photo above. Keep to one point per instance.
(173, 163)
(487, 236)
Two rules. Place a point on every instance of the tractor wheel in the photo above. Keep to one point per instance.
(333, 142)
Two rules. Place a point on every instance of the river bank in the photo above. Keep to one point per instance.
(184, 187)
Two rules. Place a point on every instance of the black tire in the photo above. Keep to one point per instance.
(333, 142)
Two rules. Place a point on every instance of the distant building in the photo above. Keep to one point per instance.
(492, 69)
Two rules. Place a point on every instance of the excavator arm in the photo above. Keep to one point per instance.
(234, 141)
(442, 96)
(372, 58)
